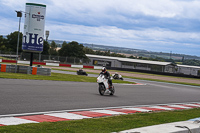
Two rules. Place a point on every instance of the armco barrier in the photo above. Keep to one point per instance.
(9, 61)
(39, 63)
(78, 66)
(28, 62)
(24, 62)
(65, 65)
(91, 67)
(52, 64)
(97, 67)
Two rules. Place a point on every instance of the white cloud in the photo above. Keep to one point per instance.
(8, 26)
(99, 8)
(131, 23)
(163, 8)
(14, 4)
(112, 32)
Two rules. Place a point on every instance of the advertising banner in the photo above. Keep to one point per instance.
(101, 63)
(33, 36)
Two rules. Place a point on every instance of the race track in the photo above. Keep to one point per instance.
(27, 96)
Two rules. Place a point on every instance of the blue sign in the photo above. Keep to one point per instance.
(33, 43)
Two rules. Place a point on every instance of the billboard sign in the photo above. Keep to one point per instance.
(101, 63)
(33, 36)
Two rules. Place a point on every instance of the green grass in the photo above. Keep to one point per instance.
(56, 76)
(185, 83)
(75, 71)
(160, 75)
(105, 124)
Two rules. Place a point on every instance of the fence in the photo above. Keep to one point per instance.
(42, 58)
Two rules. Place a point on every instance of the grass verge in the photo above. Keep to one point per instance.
(74, 71)
(105, 124)
(184, 83)
(56, 77)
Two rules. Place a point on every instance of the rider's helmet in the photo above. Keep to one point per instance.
(103, 69)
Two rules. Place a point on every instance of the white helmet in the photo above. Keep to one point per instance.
(103, 69)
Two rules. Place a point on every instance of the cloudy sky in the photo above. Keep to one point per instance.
(154, 25)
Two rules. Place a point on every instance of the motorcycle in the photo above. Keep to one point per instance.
(104, 86)
(117, 76)
(81, 72)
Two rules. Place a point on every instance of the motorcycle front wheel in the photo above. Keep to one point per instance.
(101, 89)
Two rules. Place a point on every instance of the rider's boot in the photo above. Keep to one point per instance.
(110, 87)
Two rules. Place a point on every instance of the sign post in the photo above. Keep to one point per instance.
(19, 14)
(33, 37)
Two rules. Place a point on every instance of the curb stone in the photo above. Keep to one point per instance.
(54, 116)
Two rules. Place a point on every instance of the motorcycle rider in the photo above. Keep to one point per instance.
(116, 75)
(107, 75)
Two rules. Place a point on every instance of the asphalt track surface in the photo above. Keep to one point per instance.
(27, 96)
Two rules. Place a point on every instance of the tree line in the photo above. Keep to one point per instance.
(74, 49)
(71, 49)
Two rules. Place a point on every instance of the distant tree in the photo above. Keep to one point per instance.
(117, 55)
(46, 48)
(132, 57)
(106, 53)
(3, 43)
(77, 50)
(88, 50)
(65, 50)
(98, 52)
(59, 45)
(170, 60)
(72, 49)
(53, 49)
(191, 62)
(12, 42)
(158, 59)
(183, 58)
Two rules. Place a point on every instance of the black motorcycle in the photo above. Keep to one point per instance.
(81, 72)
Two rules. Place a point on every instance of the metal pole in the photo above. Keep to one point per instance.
(17, 45)
(31, 59)
(39, 57)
